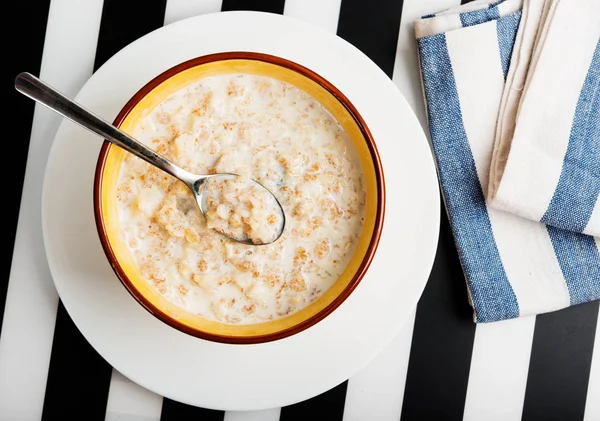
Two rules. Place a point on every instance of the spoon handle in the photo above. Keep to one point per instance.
(39, 91)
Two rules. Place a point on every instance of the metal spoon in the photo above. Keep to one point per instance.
(39, 91)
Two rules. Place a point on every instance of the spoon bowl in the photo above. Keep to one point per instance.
(264, 232)
(39, 91)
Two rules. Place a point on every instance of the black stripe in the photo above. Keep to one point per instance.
(122, 23)
(273, 6)
(25, 52)
(442, 343)
(559, 369)
(329, 406)
(372, 27)
(78, 378)
(177, 411)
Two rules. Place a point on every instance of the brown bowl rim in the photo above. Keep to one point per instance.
(362, 269)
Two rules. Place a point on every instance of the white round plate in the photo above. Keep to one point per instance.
(243, 377)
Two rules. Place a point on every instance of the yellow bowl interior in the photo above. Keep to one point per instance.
(112, 167)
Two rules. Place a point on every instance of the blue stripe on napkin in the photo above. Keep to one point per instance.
(579, 261)
(476, 17)
(491, 293)
(579, 183)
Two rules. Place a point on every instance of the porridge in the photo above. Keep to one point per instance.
(242, 209)
(274, 133)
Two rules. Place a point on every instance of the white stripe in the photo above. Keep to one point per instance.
(509, 7)
(377, 391)
(524, 246)
(498, 373)
(542, 134)
(437, 25)
(266, 415)
(592, 403)
(530, 263)
(128, 401)
(30, 314)
(593, 224)
(479, 81)
(126, 397)
(323, 13)
(406, 74)
(182, 9)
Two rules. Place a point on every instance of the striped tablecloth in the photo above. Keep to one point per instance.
(441, 366)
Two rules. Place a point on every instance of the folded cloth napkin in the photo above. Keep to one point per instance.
(546, 158)
(513, 266)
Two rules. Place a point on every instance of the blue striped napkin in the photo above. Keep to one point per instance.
(513, 266)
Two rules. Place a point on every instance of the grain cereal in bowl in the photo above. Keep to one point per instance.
(249, 116)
